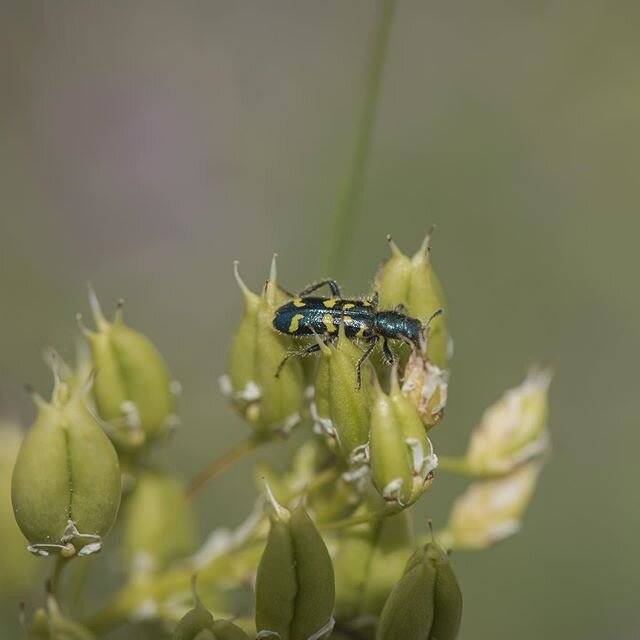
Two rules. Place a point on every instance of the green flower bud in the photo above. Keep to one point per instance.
(133, 392)
(426, 604)
(369, 562)
(340, 409)
(268, 402)
(53, 625)
(425, 385)
(491, 510)
(402, 458)
(66, 481)
(16, 567)
(158, 523)
(514, 429)
(198, 624)
(413, 283)
(295, 588)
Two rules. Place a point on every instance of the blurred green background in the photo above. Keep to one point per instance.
(144, 147)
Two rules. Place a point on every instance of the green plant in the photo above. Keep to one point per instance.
(332, 549)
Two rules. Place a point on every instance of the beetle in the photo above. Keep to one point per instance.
(307, 315)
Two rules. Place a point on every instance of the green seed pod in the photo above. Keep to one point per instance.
(198, 624)
(426, 604)
(158, 523)
(16, 567)
(413, 283)
(133, 392)
(342, 411)
(369, 562)
(402, 458)
(66, 481)
(295, 587)
(269, 403)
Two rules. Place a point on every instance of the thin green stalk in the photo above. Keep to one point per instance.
(344, 214)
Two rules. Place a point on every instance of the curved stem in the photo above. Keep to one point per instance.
(344, 214)
(227, 459)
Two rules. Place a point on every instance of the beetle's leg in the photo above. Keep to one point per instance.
(374, 299)
(332, 284)
(302, 352)
(387, 352)
(363, 357)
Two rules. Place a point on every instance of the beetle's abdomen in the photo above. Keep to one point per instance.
(308, 316)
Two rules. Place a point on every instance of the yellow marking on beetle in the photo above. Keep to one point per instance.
(328, 323)
(330, 303)
(366, 303)
(348, 305)
(297, 302)
(295, 323)
(360, 333)
(347, 319)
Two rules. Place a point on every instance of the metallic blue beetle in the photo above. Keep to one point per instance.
(308, 315)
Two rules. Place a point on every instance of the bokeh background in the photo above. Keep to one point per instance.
(145, 146)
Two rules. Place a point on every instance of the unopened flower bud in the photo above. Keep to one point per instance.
(426, 604)
(158, 524)
(269, 403)
(66, 481)
(16, 567)
(413, 283)
(514, 429)
(295, 588)
(340, 409)
(369, 562)
(198, 624)
(402, 458)
(425, 385)
(491, 510)
(133, 392)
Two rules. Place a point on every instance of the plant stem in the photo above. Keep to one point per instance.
(227, 459)
(366, 518)
(344, 214)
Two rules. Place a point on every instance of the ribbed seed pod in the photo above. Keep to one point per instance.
(66, 481)
(412, 282)
(269, 403)
(402, 458)
(133, 392)
(426, 604)
(295, 587)
(341, 409)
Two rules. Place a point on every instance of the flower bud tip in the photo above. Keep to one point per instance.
(96, 310)
(395, 250)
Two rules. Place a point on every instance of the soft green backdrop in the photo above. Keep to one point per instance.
(144, 147)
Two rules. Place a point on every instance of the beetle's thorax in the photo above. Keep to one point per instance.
(391, 324)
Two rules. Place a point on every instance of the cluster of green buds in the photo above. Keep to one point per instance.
(336, 553)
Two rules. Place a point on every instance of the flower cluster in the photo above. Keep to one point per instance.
(331, 549)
